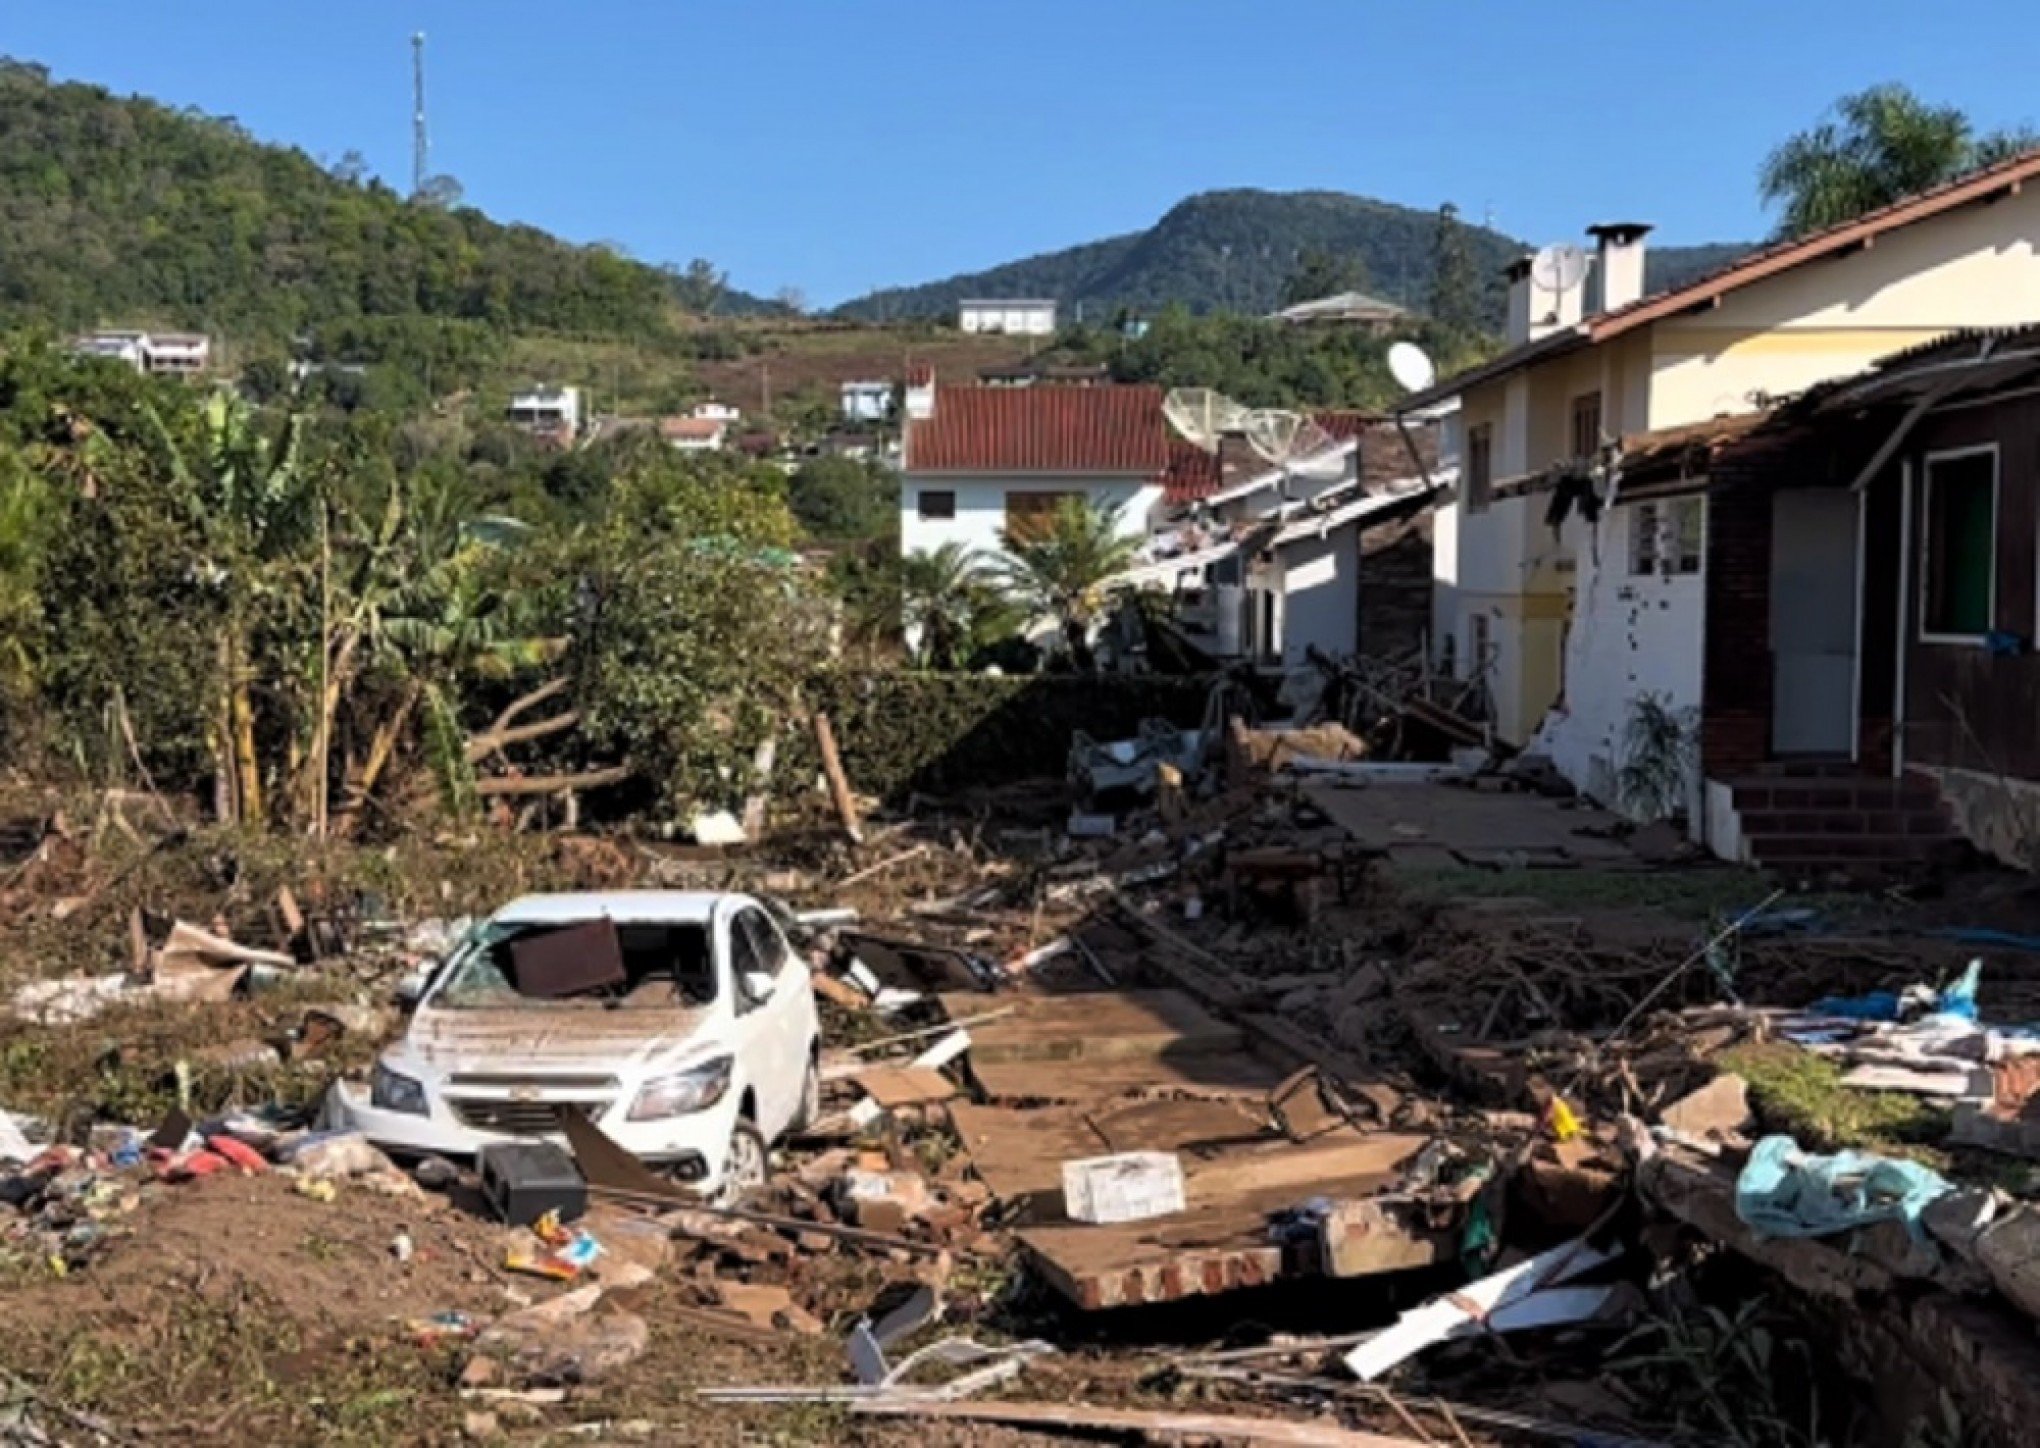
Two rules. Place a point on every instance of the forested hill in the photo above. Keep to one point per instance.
(122, 210)
(1236, 250)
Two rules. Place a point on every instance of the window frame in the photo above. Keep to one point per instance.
(922, 496)
(1927, 461)
(1579, 411)
(1675, 552)
(1646, 539)
(1480, 467)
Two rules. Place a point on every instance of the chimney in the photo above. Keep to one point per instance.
(1620, 261)
(920, 392)
(1517, 274)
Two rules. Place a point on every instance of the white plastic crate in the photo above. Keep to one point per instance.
(1129, 1187)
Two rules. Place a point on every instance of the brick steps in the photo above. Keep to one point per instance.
(1814, 819)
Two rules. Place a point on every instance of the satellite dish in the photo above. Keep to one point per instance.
(1202, 416)
(1295, 443)
(1411, 366)
(1559, 268)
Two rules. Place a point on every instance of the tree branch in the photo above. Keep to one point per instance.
(481, 746)
(552, 783)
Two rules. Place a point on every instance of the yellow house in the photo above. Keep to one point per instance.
(1571, 623)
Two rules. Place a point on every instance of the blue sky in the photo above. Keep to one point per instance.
(836, 145)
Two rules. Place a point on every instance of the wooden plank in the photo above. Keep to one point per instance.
(1154, 1425)
(892, 1086)
(1228, 1073)
(1096, 1025)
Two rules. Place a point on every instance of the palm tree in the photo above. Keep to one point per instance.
(1060, 571)
(941, 596)
(1876, 146)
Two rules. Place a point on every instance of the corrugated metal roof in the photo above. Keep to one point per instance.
(1041, 430)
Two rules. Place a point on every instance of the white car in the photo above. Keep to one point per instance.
(681, 1023)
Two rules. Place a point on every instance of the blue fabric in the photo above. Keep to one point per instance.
(1959, 999)
(1784, 1192)
(1878, 1005)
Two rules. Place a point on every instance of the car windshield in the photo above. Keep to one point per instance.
(587, 964)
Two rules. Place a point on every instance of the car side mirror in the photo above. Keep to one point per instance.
(758, 985)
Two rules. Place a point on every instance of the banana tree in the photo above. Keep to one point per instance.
(431, 616)
(251, 499)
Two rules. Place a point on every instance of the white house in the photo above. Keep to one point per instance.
(167, 353)
(713, 411)
(1578, 594)
(130, 348)
(977, 460)
(182, 353)
(1031, 317)
(866, 401)
(548, 412)
(694, 434)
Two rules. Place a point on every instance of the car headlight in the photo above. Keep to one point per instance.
(695, 1089)
(391, 1091)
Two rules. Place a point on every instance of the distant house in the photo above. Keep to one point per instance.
(181, 353)
(979, 460)
(694, 434)
(1346, 309)
(866, 401)
(1032, 317)
(713, 411)
(1272, 563)
(170, 353)
(551, 413)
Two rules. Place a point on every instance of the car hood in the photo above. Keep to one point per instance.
(552, 1038)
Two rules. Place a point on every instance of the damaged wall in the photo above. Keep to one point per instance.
(1633, 633)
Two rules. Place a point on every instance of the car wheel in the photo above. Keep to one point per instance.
(743, 1165)
(810, 1110)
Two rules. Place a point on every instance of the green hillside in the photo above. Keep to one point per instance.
(1235, 250)
(122, 210)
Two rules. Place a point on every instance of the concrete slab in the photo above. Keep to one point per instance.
(1476, 824)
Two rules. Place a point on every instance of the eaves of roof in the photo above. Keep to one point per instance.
(2007, 177)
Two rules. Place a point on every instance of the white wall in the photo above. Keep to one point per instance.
(1011, 318)
(1631, 635)
(1320, 581)
(981, 506)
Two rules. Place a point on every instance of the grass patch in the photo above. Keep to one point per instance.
(1797, 1092)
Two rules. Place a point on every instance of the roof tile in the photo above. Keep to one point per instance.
(1041, 430)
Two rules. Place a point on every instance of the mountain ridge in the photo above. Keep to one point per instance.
(1235, 249)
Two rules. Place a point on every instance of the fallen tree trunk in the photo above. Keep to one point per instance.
(500, 733)
(1163, 1426)
(839, 782)
(552, 783)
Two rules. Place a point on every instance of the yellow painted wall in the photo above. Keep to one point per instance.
(1976, 267)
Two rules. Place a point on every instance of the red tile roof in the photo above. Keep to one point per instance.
(691, 427)
(1041, 430)
(1193, 473)
(1343, 423)
(919, 374)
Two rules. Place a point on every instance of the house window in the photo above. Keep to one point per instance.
(1480, 467)
(1032, 515)
(936, 505)
(1688, 540)
(1667, 538)
(1586, 425)
(1958, 537)
(1645, 538)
